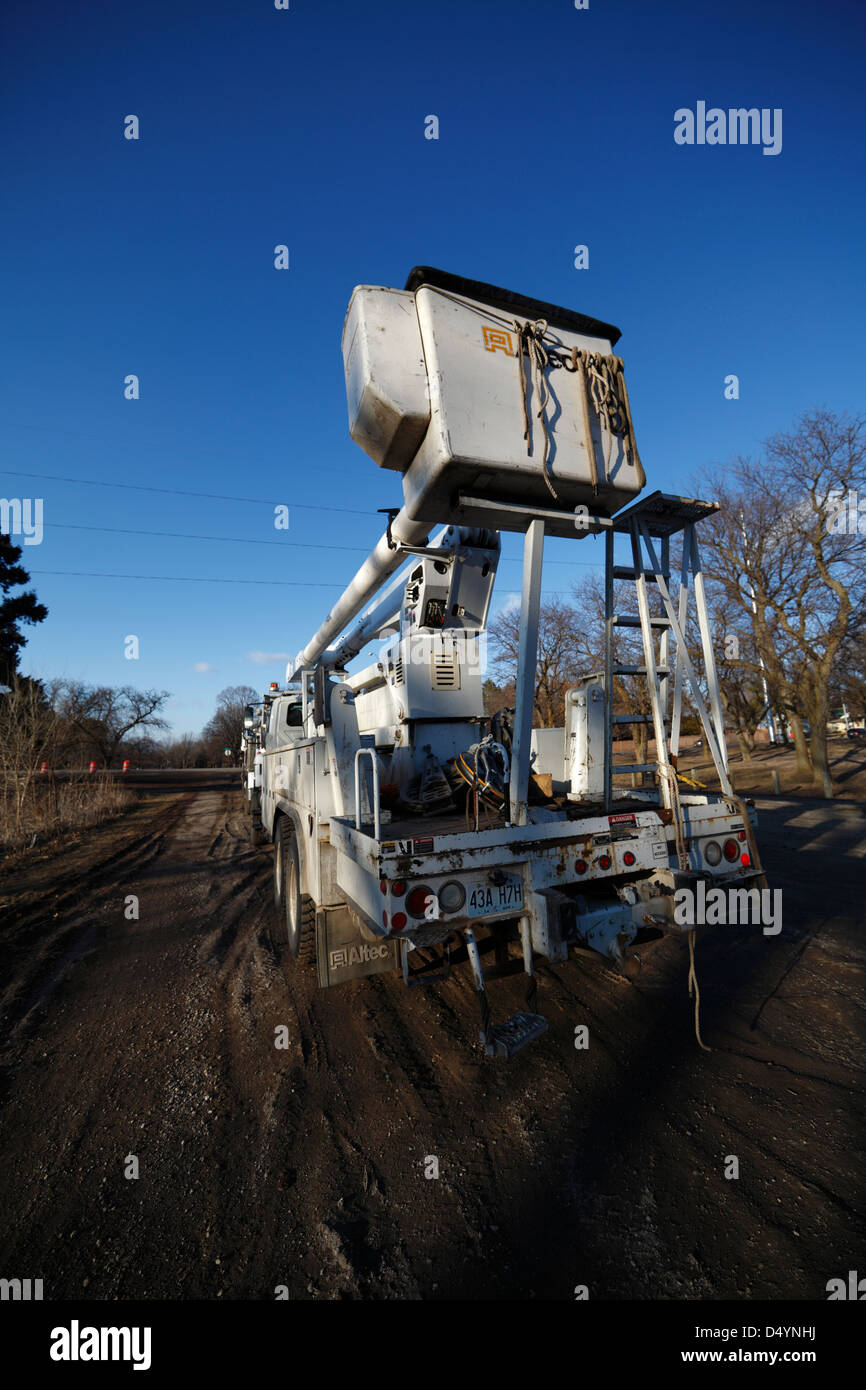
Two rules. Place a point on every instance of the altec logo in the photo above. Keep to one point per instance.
(855, 1289)
(498, 340)
(76, 1343)
(355, 955)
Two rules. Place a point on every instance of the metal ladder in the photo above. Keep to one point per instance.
(649, 524)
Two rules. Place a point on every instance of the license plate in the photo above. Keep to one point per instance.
(495, 897)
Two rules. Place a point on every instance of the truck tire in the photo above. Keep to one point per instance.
(295, 928)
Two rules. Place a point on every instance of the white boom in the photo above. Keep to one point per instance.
(379, 565)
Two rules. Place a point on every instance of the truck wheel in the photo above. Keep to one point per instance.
(295, 930)
(281, 841)
(307, 948)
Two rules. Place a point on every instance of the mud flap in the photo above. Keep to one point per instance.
(343, 954)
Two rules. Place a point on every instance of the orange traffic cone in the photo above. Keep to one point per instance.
(125, 767)
(44, 768)
(93, 766)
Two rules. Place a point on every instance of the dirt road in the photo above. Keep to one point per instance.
(153, 1037)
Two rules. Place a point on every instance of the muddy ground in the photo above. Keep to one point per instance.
(305, 1167)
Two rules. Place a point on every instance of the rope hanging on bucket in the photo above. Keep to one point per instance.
(530, 340)
(602, 385)
(602, 389)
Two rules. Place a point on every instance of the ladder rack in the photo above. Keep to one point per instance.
(649, 524)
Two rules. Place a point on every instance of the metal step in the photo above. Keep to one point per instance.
(639, 670)
(635, 767)
(504, 1039)
(631, 620)
(627, 572)
(633, 719)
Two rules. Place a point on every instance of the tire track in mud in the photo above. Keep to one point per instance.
(441, 1088)
(305, 1166)
(68, 934)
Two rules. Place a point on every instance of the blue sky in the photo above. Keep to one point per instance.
(306, 127)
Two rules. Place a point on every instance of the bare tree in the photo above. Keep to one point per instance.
(784, 561)
(104, 715)
(28, 727)
(848, 686)
(738, 667)
(183, 751)
(557, 656)
(223, 730)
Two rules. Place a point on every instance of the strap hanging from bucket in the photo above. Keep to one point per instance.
(530, 341)
(602, 389)
(602, 383)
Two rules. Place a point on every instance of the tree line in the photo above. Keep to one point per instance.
(68, 725)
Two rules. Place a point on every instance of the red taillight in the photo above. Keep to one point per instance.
(745, 861)
(604, 861)
(398, 921)
(384, 919)
(741, 836)
(398, 889)
(580, 866)
(418, 901)
(628, 858)
(730, 850)
(383, 885)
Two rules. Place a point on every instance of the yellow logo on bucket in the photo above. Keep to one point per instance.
(497, 340)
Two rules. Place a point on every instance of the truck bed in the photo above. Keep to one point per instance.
(454, 822)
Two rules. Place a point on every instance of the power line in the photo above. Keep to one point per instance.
(245, 540)
(178, 492)
(204, 579)
(214, 497)
(198, 579)
(184, 536)
(222, 497)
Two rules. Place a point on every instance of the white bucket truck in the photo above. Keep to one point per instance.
(410, 830)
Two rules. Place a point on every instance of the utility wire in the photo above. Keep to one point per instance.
(218, 497)
(222, 497)
(205, 579)
(245, 540)
(198, 579)
(185, 536)
(178, 492)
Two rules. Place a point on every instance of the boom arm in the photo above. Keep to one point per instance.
(451, 592)
(379, 565)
